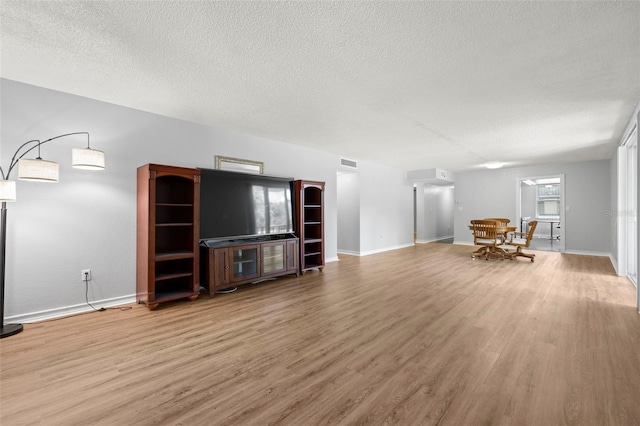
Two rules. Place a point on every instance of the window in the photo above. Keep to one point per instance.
(548, 201)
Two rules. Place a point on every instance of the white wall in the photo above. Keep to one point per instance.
(386, 208)
(348, 213)
(492, 193)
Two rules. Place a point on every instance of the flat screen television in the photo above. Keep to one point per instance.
(235, 205)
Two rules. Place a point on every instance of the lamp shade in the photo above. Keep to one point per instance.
(7, 190)
(87, 158)
(38, 170)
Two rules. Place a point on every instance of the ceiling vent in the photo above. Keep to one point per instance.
(349, 163)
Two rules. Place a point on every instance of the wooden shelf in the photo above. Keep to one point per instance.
(168, 218)
(173, 255)
(172, 295)
(173, 205)
(309, 206)
(174, 275)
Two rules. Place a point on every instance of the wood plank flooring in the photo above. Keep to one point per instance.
(418, 336)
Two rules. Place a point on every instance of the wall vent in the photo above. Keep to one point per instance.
(349, 163)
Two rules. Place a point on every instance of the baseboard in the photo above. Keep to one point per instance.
(82, 308)
(366, 253)
(433, 240)
(69, 310)
(614, 262)
(585, 253)
(349, 252)
(588, 253)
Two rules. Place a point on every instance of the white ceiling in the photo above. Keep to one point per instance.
(412, 85)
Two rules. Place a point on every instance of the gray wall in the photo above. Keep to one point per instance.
(493, 193)
(88, 219)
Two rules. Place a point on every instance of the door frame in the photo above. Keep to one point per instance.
(627, 209)
(563, 227)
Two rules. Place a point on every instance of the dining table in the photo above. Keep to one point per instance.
(551, 222)
(502, 231)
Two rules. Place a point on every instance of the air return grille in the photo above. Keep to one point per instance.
(349, 163)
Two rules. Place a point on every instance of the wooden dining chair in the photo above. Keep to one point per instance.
(518, 241)
(503, 222)
(485, 235)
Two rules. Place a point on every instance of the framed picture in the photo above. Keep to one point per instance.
(239, 165)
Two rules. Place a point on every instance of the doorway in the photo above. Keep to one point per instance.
(541, 198)
(433, 213)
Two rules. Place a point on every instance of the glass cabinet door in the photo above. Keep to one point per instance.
(245, 263)
(273, 258)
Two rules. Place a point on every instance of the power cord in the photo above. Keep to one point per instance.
(86, 296)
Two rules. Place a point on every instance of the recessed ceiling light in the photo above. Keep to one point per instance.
(493, 165)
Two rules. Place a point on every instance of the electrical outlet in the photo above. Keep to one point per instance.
(86, 275)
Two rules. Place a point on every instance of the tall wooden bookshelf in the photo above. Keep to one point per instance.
(168, 222)
(309, 206)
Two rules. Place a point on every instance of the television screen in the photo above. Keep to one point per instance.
(236, 204)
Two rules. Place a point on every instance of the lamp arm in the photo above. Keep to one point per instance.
(16, 157)
(67, 134)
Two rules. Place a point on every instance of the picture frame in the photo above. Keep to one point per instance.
(239, 165)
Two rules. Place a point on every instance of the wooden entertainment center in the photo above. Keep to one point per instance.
(230, 263)
(174, 263)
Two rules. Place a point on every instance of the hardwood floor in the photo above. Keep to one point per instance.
(418, 336)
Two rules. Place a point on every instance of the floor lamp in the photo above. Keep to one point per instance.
(37, 170)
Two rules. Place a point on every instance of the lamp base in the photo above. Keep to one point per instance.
(10, 330)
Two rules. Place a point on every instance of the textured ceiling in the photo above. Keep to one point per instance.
(412, 85)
